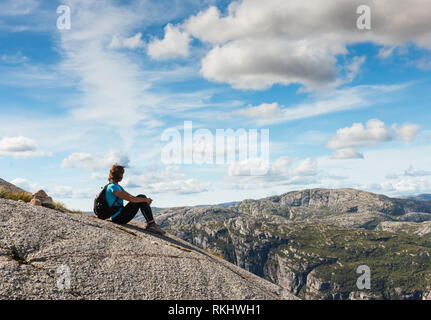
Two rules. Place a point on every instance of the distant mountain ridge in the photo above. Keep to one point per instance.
(422, 197)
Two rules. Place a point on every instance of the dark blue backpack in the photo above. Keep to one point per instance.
(101, 208)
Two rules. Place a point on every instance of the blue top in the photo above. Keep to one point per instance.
(110, 197)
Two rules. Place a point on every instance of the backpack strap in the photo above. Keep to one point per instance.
(116, 198)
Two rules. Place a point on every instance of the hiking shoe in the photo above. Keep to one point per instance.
(155, 229)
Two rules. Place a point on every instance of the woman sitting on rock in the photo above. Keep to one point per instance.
(115, 194)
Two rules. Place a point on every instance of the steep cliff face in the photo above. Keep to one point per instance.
(311, 242)
(47, 254)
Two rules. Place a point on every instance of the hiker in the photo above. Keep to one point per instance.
(115, 194)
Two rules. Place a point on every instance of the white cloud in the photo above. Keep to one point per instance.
(17, 144)
(86, 161)
(378, 168)
(324, 103)
(406, 186)
(19, 147)
(385, 52)
(175, 44)
(373, 133)
(258, 65)
(256, 44)
(264, 110)
(25, 184)
(306, 168)
(186, 186)
(312, 137)
(110, 81)
(17, 7)
(66, 192)
(411, 172)
(347, 153)
(133, 42)
(169, 180)
(407, 132)
(282, 172)
(99, 176)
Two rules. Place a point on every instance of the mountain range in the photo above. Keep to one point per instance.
(311, 242)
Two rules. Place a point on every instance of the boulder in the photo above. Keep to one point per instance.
(45, 200)
(41, 195)
(35, 202)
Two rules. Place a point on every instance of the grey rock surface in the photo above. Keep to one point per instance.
(422, 229)
(11, 187)
(41, 250)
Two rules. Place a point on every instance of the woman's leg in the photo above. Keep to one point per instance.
(127, 213)
(146, 210)
(130, 211)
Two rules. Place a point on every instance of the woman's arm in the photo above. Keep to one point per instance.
(128, 197)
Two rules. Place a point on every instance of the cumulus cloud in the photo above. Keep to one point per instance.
(407, 132)
(86, 161)
(19, 147)
(373, 133)
(175, 44)
(358, 135)
(256, 44)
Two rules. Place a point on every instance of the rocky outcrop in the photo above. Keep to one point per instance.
(40, 198)
(310, 242)
(48, 254)
(422, 229)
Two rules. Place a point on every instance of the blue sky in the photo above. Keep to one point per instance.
(345, 107)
